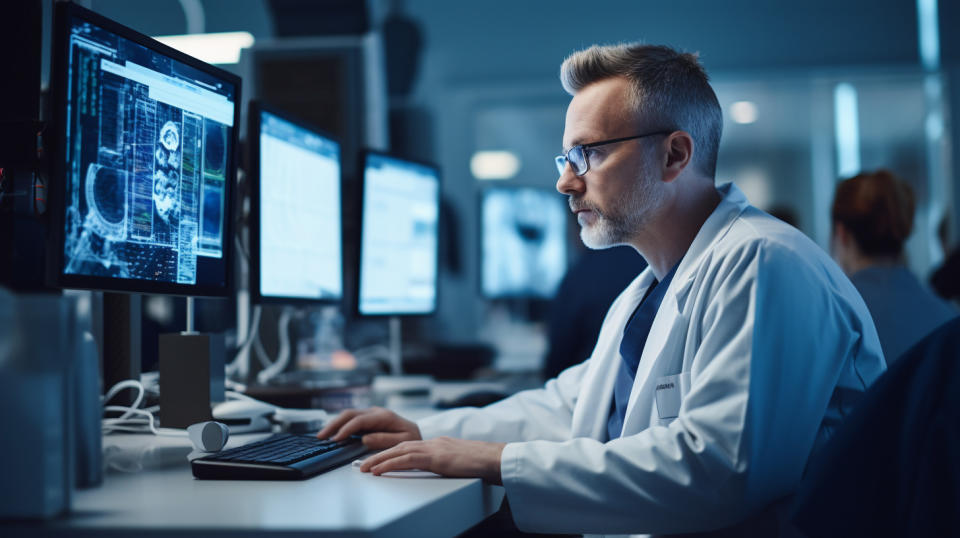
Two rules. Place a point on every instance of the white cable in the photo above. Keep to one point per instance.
(241, 248)
(114, 390)
(254, 325)
(239, 367)
(173, 432)
(261, 353)
(126, 422)
(283, 354)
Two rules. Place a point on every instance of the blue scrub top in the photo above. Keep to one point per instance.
(631, 349)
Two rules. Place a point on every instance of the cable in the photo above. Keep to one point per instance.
(114, 390)
(241, 248)
(109, 426)
(239, 367)
(126, 422)
(283, 354)
(261, 353)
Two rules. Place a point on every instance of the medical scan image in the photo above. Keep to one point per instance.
(524, 242)
(147, 147)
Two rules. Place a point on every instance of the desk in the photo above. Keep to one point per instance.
(162, 498)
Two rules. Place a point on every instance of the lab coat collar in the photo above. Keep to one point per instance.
(732, 204)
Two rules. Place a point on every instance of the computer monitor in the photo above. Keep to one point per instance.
(400, 207)
(295, 230)
(143, 162)
(524, 244)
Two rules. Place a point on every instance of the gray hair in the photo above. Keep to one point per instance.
(671, 90)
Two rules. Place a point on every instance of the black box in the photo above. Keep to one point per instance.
(191, 377)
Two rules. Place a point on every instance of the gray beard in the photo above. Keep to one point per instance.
(624, 218)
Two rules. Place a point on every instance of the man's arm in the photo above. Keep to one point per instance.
(544, 413)
(534, 414)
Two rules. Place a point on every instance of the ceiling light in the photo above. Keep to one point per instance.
(216, 48)
(743, 112)
(494, 165)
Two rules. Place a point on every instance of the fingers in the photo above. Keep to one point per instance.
(334, 425)
(401, 463)
(372, 420)
(399, 451)
(382, 440)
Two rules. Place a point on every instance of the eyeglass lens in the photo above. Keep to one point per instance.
(577, 159)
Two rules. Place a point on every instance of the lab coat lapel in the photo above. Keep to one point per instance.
(663, 354)
(591, 413)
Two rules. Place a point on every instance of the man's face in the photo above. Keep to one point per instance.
(617, 195)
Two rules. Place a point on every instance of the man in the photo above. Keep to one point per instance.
(717, 372)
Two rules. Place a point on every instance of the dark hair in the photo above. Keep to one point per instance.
(670, 89)
(877, 208)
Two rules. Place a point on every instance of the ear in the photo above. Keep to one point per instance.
(679, 154)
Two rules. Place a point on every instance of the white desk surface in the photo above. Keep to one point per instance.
(163, 498)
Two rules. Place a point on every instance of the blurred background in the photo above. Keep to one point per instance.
(812, 92)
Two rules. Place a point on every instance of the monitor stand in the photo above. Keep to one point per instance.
(192, 373)
(120, 333)
(396, 351)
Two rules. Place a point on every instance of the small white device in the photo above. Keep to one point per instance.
(245, 416)
(208, 436)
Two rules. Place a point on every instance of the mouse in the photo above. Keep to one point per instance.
(245, 416)
(478, 398)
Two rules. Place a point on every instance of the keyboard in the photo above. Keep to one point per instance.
(283, 456)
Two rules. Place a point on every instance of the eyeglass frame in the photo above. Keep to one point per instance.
(586, 159)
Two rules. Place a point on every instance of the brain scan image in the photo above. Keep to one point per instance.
(169, 136)
(146, 158)
(165, 193)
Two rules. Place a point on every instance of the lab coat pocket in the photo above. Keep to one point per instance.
(670, 391)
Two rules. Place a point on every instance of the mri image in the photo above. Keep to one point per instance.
(146, 162)
(524, 242)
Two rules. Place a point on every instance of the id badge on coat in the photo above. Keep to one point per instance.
(669, 392)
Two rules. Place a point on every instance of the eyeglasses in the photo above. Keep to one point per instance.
(577, 155)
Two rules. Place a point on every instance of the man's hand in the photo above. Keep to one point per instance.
(445, 456)
(380, 428)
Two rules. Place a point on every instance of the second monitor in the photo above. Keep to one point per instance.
(296, 233)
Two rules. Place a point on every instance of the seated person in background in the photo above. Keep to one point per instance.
(581, 302)
(718, 370)
(872, 218)
(945, 280)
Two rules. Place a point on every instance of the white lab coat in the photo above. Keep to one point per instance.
(760, 347)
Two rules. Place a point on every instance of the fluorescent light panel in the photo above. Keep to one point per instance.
(847, 129)
(494, 165)
(929, 29)
(215, 48)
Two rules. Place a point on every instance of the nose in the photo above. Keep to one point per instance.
(570, 183)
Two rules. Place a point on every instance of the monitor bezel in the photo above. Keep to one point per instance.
(253, 144)
(64, 13)
(358, 266)
(481, 292)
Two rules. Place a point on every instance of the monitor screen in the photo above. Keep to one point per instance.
(147, 162)
(524, 248)
(297, 243)
(398, 241)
